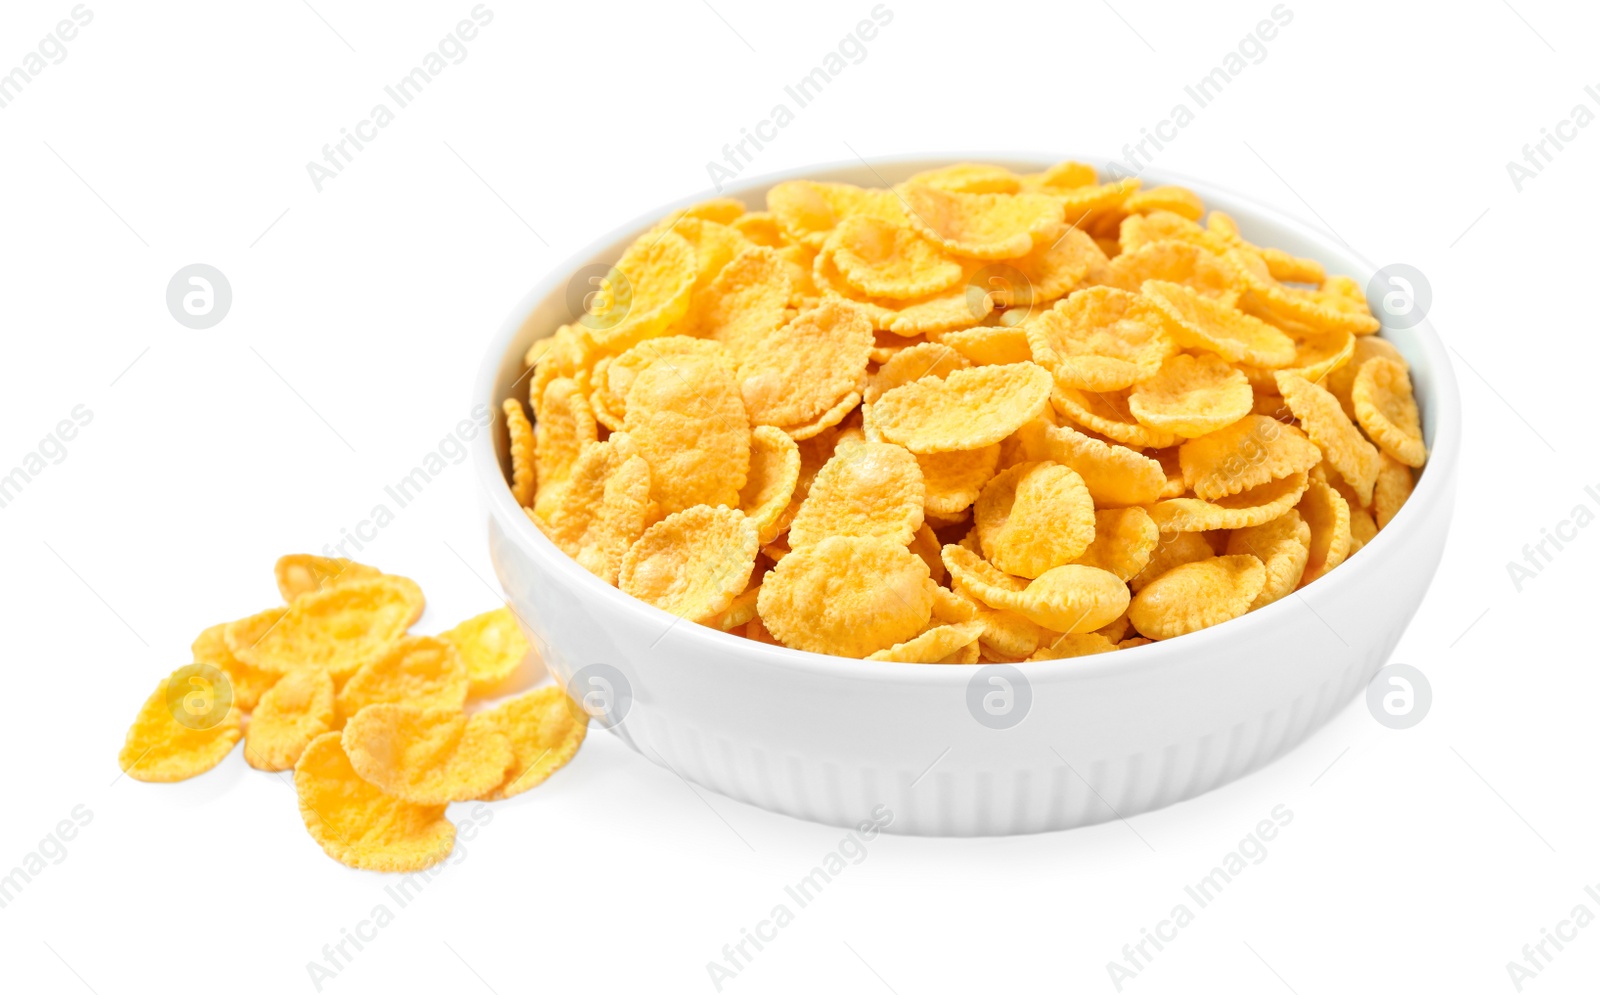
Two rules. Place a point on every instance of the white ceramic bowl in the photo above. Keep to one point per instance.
(831, 739)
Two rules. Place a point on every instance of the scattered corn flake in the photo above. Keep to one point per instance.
(211, 648)
(715, 244)
(1317, 354)
(1328, 516)
(1318, 309)
(722, 210)
(691, 428)
(1124, 539)
(1250, 452)
(970, 177)
(492, 646)
(614, 376)
(1197, 595)
(1393, 487)
(545, 729)
(1199, 322)
(871, 489)
(774, 472)
(925, 359)
(746, 301)
(1070, 598)
(948, 606)
(878, 258)
(1191, 395)
(952, 481)
(160, 748)
(847, 595)
(1172, 549)
(1099, 339)
(1034, 516)
(1387, 411)
(825, 421)
(1341, 379)
(426, 756)
(522, 448)
(1073, 644)
(357, 824)
(1063, 259)
(660, 271)
(338, 629)
(1283, 546)
(1063, 176)
(1175, 262)
(989, 345)
(1255, 506)
(425, 671)
(760, 228)
(303, 573)
(1115, 475)
(981, 225)
(1178, 200)
(1324, 422)
(809, 211)
(968, 409)
(802, 370)
(692, 563)
(298, 709)
(1107, 413)
(933, 644)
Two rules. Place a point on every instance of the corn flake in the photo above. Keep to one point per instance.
(692, 563)
(871, 489)
(425, 671)
(690, 425)
(160, 748)
(298, 709)
(847, 595)
(545, 729)
(968, 409)
(426, 756)
(1198, 595)
(1381, 395)
(1034, 516)
(339, 629)
(492, 646)
(357, 824)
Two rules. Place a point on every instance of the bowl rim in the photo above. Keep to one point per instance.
(1432, 487)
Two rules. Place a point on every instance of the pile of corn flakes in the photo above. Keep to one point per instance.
(371, 720)
(980, 416)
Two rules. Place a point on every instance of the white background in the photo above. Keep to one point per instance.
(177, 132)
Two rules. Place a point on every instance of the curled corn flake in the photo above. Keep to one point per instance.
(881, 259)
(1198, 322)
(1034, 516)
(1363, 528)
(847, 595)
(968, 409)
(870, 489)
(1328, 517)
(1191, 396)
(722, 210)
(1007, 634)
(545, 729)
(566, 425)
(690, 425)
(1115, 475)
(1166, 226)
(426, 756)
(925, 359)
(1095, 208)
(357, 824)
(1178, 200)
(1321, 310)
(614, 376)
(298, 709)
(1195, 596)
(981, 225)
(1124, 539)
(1250, 452)
(1255, 506)
(774, 472)
(621, 513)
(760, 228)
(522, 447)
(1070, 598)
(1107, 413)
(425, 671)
(1387, 411)
(1063, 176)
(1175, 262)
(491, 646)
(746, 301)
(249, 683)
(809, 211)
(952, 481)
(161, 748)
(927, 545)
(1317, 354)
(338, 629)
(1283, 546)
(715, 245)
(1393, 487)
(302, 573)
(740, 610)
(948, 606)
(1063, 259)
(1073, 644)
(932, 645)
(990, 345)
(1116, 629)
(1324, 422)
(692, 563)
(1100, 338)
(970, 177)
(661, 270)
(803, 369)
(827, 420)
(1172, 549)
(1172, 466)
(1342, 378)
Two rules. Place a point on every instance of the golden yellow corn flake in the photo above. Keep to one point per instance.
(1197, 595)
(1191, 396)
(1107, 413)
(298, 709)
(1255, 506)
(1115, 475)
(847, 595)
(522, 449)
(809, 211)
(1393, 487)
(925, 359)
(981, 225)
(1124, 539)
(1063, 259)
(1099, 339)
(970, 177)
(1317, 355)
(545, 729)
(871, 489)
(1070, 598)
(1034, 516)
(1341, 379)
(211, 648)
(1175, 262)
(492, 646)
(715, 245)
(746, 301)
(760, 228)
(691, 428)
(1317, 309)
(1073, 644)
(774, 472)
(932, 645)
(989, 345)
(1387, 412)
(186, 727)
(614, 376)
(1325, 423)
(692, 563)
(881, 259)
(952, 481)
(1172, 549)
(338, 629)
(1283, 546)
(420, 670)
(1178, 200)
(1363, 528)
(1199, 322)
(566, 425)
(426, 756)
(1250, 452)
(802, 370)
(303, 573)
(968, 409)
(658, 273)
(357, 824)
(605, 506)
(1328, 517)
(828, 419)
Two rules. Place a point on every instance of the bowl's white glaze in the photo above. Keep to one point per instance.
(830, 739)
